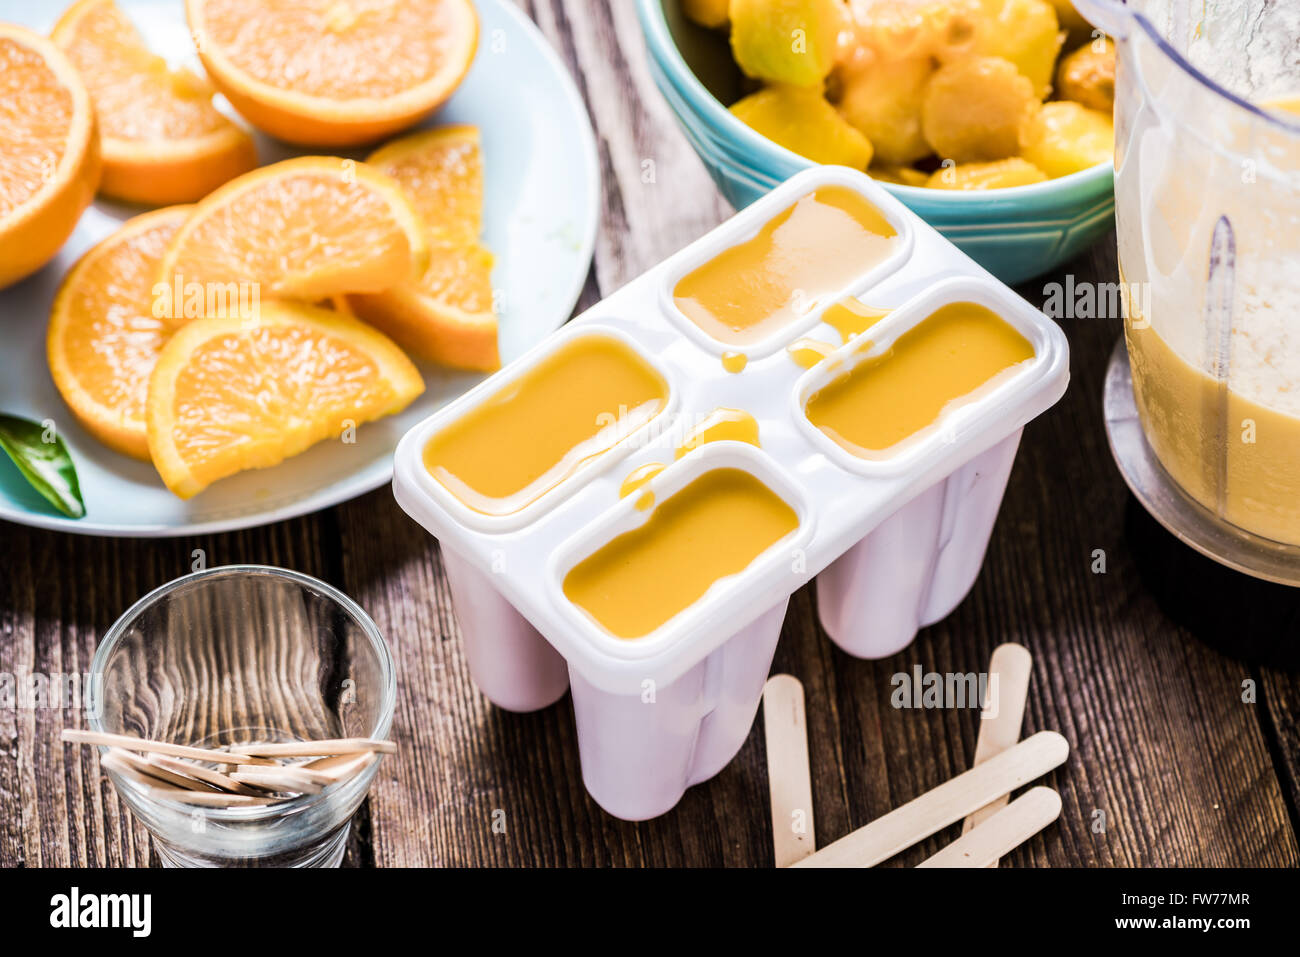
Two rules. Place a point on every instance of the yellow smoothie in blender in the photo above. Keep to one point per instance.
(1217, 385)
(538, 430)
(809, 251)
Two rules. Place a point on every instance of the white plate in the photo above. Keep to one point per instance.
(542, 195)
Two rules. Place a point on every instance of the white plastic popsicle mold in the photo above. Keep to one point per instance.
(895, 543)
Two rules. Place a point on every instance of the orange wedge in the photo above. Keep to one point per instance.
(163, 140)
(447, 314)
(49, 151)
(334, 72)
(103, 339)
(233, 394)
(307, 228)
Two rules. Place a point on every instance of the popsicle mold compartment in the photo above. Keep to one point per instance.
(895, 541)
(641, 751)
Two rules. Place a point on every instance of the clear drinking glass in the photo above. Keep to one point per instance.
(238, 654)
(1207, 184)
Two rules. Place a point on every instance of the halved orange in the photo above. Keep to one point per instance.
(103, 339)
(163, 140)
(234, 394)
(334, 72)
(447, 314)
(49, 151)
(307, 228)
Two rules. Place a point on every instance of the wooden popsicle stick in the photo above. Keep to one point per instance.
(211, 798)
(1005, 829)
(208, 776)
(1004, 712)
(946, 804)
(789, 781)
(307, 749)
(129, 743)
(120, 756)
(340, 767)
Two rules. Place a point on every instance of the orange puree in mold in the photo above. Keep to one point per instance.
(946, 359)
(721, 425)
(809, 352)
(539, 429)
(714, 527)
(849, 317)
(734, 362)
(807, 252)
(638, 477)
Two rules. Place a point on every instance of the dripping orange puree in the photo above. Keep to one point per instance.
(539, 429)
(944, 361)
(712, 528)
(810, 251)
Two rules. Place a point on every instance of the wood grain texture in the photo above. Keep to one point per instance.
(1141, 668)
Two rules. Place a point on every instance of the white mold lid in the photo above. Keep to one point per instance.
(839, 497)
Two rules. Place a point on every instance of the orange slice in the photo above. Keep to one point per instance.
(49, 151)
(307, 228)
(233, 394)
(103, 339)
(447, 314)
(335, 72)
(163, 140)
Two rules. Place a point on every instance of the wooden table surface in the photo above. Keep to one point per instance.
(1174, 680)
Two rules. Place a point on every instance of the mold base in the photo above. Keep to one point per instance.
(512, 664)
(641, 752)
(917, 565)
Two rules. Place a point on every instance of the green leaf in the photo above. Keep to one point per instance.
(46, 465)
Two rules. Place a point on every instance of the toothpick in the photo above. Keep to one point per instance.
(293, 770)
(304, 749)
(118, 756)
(278, 779)
(208, 776)
(341, 766)
(211, 798)
(130, 743)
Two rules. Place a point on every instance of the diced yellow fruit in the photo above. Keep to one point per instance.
(898, 175)
(786, 41)
(998, 174)
(1027, 33)
(943, 29)
(883, 101)
(1087, 75)
(800, 119)
(707, 13)
(1065, 137)
(973, 109)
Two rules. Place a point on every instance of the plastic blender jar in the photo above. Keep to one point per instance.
(1204, 413)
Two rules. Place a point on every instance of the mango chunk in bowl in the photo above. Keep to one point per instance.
(989, 118)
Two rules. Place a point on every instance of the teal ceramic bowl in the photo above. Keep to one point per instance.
(1015, 233)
